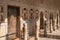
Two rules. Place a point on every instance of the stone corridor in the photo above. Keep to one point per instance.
(29, 19)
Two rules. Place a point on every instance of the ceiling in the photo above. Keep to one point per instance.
(48, 3)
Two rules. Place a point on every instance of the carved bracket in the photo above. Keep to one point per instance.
(31, 15)
(25, 14)
(36, 14)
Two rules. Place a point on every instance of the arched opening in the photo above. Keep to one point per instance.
(13, 14)
(31, 22)
(41, 21)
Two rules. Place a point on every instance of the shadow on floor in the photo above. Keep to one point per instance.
(50, 36)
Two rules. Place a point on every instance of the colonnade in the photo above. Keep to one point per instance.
(36, 27)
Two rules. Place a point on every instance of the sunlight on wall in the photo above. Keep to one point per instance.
(3, 29)
(21, 25)
(22, 22)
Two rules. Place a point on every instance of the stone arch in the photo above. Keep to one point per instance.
(13, 22)
(41, 20)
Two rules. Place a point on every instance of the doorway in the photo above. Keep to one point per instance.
(13, 22)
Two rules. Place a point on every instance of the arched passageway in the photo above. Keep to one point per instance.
(41, 21)
(13, 22)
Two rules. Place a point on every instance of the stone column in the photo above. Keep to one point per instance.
(53, 24)
(45, 29)
(36, 32)
(50, 27)
(57, 22)
(24, 32)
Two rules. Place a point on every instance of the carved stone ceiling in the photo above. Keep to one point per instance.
(49, 3)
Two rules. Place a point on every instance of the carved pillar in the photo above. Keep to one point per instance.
(45, 29)
(36, 32)
(18, 27)
(57, 22)
(24, 32)
(50, 27)
(53, 24)
(36, 17)
(53, 27)
(50, 23)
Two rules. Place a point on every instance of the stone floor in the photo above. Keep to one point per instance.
(55, 35)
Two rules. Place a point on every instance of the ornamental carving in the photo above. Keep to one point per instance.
(31, 14)
(25, 14)
(51, 16)
(36, 14)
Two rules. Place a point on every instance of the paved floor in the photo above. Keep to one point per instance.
(55, 35)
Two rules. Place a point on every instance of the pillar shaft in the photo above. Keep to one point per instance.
(57, 21)
(36, 32)
(24, 32)
(45, 29)
(50, 27)
(53, 25)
